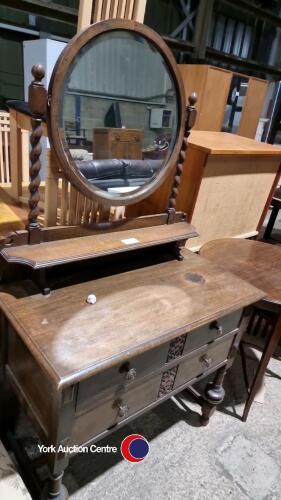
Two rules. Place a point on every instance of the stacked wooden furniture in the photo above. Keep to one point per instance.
(212, 85)
(102, 323)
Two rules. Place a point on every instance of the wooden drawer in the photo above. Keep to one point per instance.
(119, 376)
(126, 135)
(203, 359)
(212, 331)
(114, 410)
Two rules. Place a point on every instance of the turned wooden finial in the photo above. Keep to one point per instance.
(189, 122)
(37, 101)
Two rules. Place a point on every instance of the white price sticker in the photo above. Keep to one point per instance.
(130, 241)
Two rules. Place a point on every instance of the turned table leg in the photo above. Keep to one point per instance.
(54, 489)
(214, 394)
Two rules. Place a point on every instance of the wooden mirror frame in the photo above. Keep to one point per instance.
(55, 90)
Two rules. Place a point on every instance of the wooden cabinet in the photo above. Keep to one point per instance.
(117, 143)
(225, 189)
(227, 184)
(212, 85)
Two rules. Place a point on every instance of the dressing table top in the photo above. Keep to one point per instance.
(135, 311)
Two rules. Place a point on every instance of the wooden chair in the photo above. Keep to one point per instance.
(63, 204)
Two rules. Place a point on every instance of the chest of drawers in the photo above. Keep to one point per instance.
(83, 370)
(117, 143)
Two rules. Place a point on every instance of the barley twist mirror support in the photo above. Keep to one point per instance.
(37, 99)
(118, 125)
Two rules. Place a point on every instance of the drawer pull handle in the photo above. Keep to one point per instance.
(131, 375)
(215, 326)
(123, 409)
(206, 360)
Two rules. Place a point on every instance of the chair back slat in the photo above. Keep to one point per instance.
(5, 175)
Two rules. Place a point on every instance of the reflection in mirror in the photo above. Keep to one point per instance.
(118, 114)
(235, 102)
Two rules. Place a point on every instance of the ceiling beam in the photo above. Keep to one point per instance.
(53, 11)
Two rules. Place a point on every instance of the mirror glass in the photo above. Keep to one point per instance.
(235, 102)
(118, 112)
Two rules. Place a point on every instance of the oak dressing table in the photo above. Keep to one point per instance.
(163, 318)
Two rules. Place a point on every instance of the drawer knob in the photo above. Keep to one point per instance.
(216, 326)
(131, 375)
(123, 409)
(206, 360)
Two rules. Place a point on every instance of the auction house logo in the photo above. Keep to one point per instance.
(134, 448)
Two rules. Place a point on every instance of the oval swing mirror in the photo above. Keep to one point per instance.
(116, 111)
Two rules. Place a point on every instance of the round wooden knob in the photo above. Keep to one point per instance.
(38, 72)
(192, 99)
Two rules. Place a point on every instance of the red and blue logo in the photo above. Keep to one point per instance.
(134, 448)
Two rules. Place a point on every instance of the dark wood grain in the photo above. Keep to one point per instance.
(258, 263)
(134, 312)
(37, 100)
(63, 251)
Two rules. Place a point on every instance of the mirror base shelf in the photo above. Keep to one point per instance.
(76, 249)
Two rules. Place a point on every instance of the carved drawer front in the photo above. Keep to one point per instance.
(119, 376)
(212, 331)
(115, 409)
(203, 359)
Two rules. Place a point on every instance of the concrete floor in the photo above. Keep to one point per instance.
(228, 458)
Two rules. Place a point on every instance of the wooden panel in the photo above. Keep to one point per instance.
(214, 100)
(232, 196)
(256, 262)
(84, 14)
(16, 174)
(194, 80)
(191, 180)
(203, 359)
(129, 9)
(106, 415)
(222, 143)
(64, 202)
(75, 249)
(121, 9)
(51, 190)
(97, 10)
(139, 10)
(30, 378)
(105, 14)
(113, 9)
(253, 106)
(4, 147)
(63, 332)
(25, 147)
